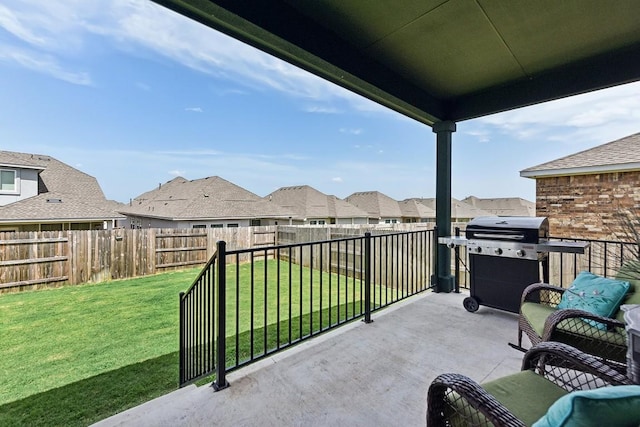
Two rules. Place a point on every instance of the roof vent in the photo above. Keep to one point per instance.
(54, 200)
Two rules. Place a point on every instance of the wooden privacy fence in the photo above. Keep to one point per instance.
(32, 260)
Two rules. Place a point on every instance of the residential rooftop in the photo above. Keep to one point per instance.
(211, 197)
(503, 206)
(307, 202)
(376, 204)
(616, 156)
(459, 209)
(64, 193)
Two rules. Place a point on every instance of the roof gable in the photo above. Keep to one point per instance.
(412, 208)
(376, 204)
(307, 202)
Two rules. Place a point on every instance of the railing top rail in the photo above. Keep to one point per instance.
(580, 239)
(320, 242)
(209, 263)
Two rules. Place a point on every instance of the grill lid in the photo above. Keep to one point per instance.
(508, 228)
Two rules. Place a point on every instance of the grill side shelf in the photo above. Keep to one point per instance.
(563, 247)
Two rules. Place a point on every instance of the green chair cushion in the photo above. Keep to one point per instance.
(595, 294)
(631, 273)
(527, 395)
(612, 406)
(536, 314)
(577, 333)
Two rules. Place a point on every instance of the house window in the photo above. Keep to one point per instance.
(255, 222)
(216, 225)
(8, 180)
(200, 226)
(390, 221)
(234, 225)
(317, 222)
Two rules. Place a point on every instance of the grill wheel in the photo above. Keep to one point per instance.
(470, 304)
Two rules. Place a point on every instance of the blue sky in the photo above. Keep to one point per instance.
(134, 94)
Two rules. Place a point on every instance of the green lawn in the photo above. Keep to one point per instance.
(75, 355)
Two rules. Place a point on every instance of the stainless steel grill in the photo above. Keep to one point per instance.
(506, 254)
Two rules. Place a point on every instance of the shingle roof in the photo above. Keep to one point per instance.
(504, 206)
(307, 202)
(65, 193)
(412, 208)
(376, 204)
(23, 160)
(616, 156)
(205, 198)
(459, 209)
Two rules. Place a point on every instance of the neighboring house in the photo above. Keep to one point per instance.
(583, 193)
(414, 211)
(312, 207)
(460, 211)
(503, 206)
(380, 208)
(40, 193)
(207, 202)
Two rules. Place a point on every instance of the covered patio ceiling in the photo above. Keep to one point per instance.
(441, 60)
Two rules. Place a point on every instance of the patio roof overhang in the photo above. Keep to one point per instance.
(438, 60)
(441, 61)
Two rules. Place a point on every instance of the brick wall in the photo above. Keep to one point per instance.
(588, 206)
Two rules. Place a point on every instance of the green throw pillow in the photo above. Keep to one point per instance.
(595, 294)
(607, 406)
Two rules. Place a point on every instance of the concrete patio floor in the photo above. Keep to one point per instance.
(373, 374)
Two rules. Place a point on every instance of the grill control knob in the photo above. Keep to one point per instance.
(497, 251)
(520, 252)
(451, 245)
(478, 249)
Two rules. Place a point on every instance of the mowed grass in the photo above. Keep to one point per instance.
(71, 356)
(75, 355)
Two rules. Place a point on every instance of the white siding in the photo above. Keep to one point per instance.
(26, 186)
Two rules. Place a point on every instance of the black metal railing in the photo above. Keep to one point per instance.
(602, 257)
(247, 304)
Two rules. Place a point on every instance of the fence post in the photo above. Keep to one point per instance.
(220, 329)
(434, 269)
(456, 252)
(181, 338)
(367, 277)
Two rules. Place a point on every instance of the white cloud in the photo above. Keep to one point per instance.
(592, 118)
(337, 179)
(194, 109)
(322, 110)
(195, 153)
(481, 135)
(15, 25)
(351, 131)
(44, 64)
(176, 172)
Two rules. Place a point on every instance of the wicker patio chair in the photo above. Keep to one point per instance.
(549, 371)
(541, 321)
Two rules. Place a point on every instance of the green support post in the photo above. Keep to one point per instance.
(443, 131)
